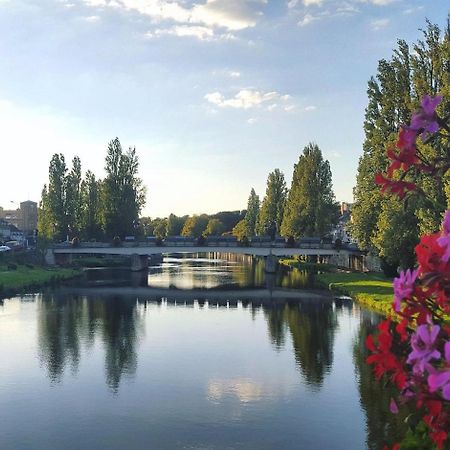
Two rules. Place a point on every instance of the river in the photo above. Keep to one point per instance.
(203, 352)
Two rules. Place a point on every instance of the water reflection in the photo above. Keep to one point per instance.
(207, 368)
(66, 323)
(223, 270)
(312, 328)
(383, 427)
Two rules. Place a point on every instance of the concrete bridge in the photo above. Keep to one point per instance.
(139, 252)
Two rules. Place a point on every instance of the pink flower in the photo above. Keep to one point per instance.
(444, 239)
(441, 379)
(425, 120)
(422, 342)
(404, 286)
(393, 407)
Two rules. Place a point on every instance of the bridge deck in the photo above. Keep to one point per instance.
(155, 250)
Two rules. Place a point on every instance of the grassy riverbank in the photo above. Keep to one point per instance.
(370, 289)
(19, 278)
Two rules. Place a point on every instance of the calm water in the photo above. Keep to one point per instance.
(153, 368)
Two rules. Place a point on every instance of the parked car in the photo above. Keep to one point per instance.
(4, 248)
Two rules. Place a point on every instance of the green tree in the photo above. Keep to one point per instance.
(214, 228)
(392, 97)
(91, 207)
(241, 230)
(272, 207)
(175, 224)
(73, 198)
(195, 226)
(123, 191)
(251, 216)
(310, 208)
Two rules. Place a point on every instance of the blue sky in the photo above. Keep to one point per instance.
(214, 94)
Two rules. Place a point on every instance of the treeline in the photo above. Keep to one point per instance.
(91, 208)
(382, 224)
(308, 208)
(192, 226)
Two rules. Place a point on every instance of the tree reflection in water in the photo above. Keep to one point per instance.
(312, 326)
(68, 322)
(383, 427)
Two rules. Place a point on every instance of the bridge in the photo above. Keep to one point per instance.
(140, 251)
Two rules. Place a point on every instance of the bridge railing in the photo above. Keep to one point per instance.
(205, 244)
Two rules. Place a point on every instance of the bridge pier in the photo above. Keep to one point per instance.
(49, 257)
(139, 262)
(271, 263)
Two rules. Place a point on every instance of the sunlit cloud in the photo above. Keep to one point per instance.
(196, 31)
(246, 99)
(233, 15)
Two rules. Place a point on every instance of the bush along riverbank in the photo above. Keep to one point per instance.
(16, 278)
(369, 289)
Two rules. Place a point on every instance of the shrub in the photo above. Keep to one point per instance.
(12, 266)
(76, 242)
(116, 241)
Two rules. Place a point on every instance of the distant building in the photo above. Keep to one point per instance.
(28, 216)
(23, 218)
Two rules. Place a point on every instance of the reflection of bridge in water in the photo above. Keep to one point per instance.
(228, 297)
(139, 252)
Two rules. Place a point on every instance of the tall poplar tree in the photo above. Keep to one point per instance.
(123, 192)
(272, 207)
(251, 216)
(310, 208)
(392, 97)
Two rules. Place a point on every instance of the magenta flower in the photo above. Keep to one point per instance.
(425, 119)
(404, 286)
(444, 240)
(393, 407)
(422, 342)
(441, 379)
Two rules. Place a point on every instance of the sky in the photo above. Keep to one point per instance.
(214, 94)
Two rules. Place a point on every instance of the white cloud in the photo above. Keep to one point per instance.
(413, 10)
(232, 15)
(379, 24)
(312, 2)
(245, 99)
(92, 18)
(252, 120)
(234, 74)
(196, 31)
(292, 3)
(307, 19)
(310, 108)
(382, 2)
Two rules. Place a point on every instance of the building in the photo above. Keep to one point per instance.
(23, 218)
(28, 216)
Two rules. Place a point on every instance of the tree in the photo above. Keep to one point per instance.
(392, 97)
(214, 228)
(241, 230)
(73, 200)
(56, 196)
(272, 208)
(123, 193)
(310, 208)
(229, 218)
(195, 226)
(251, 216)
(91, 205)
(175, 224)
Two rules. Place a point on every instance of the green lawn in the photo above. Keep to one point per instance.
(25, 277)
(373, 290)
